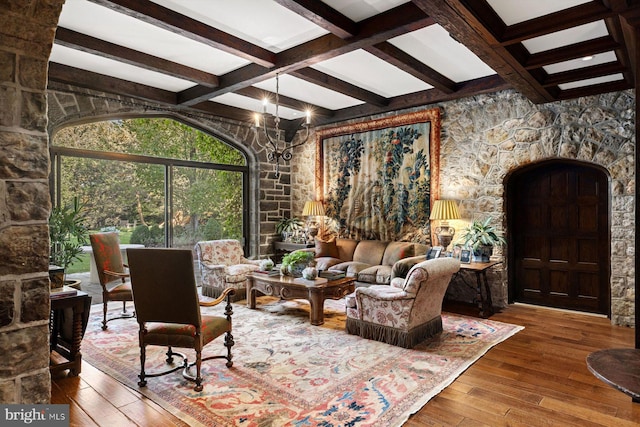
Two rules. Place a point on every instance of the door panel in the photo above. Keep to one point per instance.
(560, 248)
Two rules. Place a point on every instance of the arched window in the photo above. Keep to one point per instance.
(165, 182)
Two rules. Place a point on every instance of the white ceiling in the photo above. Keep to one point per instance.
(267, 24)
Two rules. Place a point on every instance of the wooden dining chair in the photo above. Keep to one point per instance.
(167, 304)
(112, 273)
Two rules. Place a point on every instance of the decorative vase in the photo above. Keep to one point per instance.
(296, 269)
(266, 265)
(482, 253)
(310, 273)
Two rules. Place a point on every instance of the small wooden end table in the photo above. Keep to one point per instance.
(286, 287)
(485, 304)
(80, 304)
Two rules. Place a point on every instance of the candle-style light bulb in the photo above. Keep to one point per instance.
(308, 117)
(257, 118)
(265, 102)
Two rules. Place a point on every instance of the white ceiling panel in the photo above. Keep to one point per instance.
(372, 73)
(601, 58)
(120, 70)
(567, 37)
(433, 46)
(308, 92)
(587, 82)
(515, 11)
(263, 23)
(358, 10)
(103, 23)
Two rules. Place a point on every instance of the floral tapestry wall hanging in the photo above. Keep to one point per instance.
(378, 178)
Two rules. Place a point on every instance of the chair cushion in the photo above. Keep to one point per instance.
(350, 268)
(213, 327)
(123, 290)
(380, 274)
(326, 249)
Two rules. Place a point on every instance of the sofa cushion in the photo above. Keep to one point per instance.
(378, 274)
(350, 268)
(327, 249)
(346, 248)
(396, 251)
(325, 263)
(370, 252)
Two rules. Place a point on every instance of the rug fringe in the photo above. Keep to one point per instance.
(394, 336)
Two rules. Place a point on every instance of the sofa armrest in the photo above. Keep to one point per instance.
(401, 268)
(382, 293)
(212, 267)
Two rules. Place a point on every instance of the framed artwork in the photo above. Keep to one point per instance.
(457, 249)
(378, 179)
(434, 252)
(465, 256)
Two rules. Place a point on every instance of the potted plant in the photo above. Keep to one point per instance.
(287, 227)
(295, 262)
(481, 237)
(67, 235)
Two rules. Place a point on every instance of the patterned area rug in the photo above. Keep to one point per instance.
(287, 372)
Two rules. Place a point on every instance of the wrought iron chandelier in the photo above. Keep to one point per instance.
(275, 152)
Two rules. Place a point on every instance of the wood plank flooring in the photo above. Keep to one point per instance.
(536, 378)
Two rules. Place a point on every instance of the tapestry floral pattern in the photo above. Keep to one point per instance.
(377, 183)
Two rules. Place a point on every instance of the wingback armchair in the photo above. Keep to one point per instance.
(223, 265)
(405, 312)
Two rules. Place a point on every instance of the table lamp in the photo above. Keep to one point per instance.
(443, 211)
(312, 209)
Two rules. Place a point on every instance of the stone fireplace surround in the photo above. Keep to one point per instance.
(483, 139)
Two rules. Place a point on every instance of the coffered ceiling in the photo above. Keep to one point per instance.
(342, 59)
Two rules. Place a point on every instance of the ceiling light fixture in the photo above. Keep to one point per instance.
(587, 58)
(275, 153)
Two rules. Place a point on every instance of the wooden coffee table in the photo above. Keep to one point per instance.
(286, 287)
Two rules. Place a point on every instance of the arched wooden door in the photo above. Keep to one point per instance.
(559, 239)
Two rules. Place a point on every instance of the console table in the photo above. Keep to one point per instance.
(485, 304)
(63, 342)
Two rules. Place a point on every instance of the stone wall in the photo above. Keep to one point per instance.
(26, 34)
(487, 137)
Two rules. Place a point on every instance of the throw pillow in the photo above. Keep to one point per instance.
(326, 249)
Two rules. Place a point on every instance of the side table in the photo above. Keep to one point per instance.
(68, 347)
(283, 248)
(485, 304)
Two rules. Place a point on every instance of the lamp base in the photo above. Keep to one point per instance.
(445, 236)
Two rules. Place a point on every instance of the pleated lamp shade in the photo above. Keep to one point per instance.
(444, 210)
(313, 208)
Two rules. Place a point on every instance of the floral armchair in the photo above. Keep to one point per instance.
(223, 265)
(405, 312)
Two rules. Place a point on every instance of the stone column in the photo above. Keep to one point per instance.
(27, 29)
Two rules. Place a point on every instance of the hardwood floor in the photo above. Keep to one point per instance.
(536, 378)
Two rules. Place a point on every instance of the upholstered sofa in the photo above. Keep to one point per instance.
(371, 262)
(223, 265)
(408, 310)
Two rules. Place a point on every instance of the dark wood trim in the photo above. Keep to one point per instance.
(323, 16)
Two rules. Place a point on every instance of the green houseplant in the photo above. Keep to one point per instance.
(481, 237)
(67, 234)
(294, 262)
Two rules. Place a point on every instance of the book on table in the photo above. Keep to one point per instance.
(64, 291)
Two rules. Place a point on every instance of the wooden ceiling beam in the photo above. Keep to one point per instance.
(319, 78)
(101, 83)
(397, 21)
(427, 97)
(465, 26)
(323, 16)
(615, 86)
(167, 19)
(577, 50)
(92, 45)
(285, 101)
(395, 56)
(583, 73)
